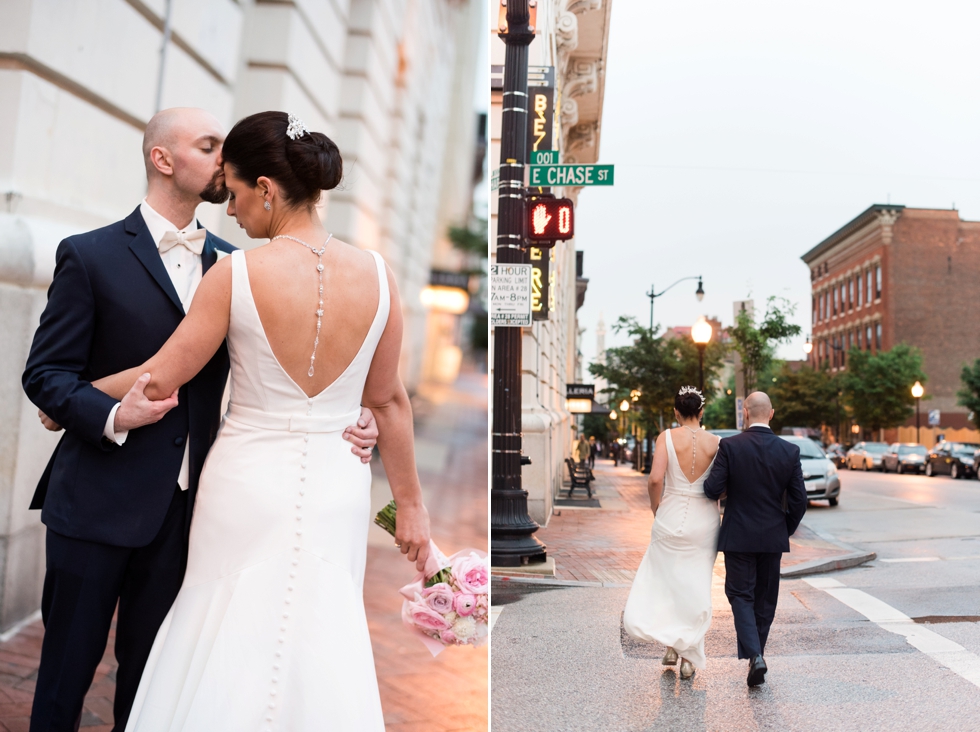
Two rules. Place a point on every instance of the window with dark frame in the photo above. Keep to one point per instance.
(878, 337)
(877, 282)
(868, 337)
(850, 293)
(859, 289)
(835, 302)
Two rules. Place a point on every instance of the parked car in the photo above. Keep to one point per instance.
(904, 457)
(955, 459)
(819, 472)
(866, 455)
(835, 451)
(724, 433)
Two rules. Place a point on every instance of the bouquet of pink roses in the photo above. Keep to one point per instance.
(447, 604)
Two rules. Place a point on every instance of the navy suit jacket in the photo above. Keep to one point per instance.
(755, 469)
(111, 306)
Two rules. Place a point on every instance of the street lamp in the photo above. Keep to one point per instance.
(917, 392)
(701, 333)
(613, 416)
(808, 346)
(624, 406)
(699, 293)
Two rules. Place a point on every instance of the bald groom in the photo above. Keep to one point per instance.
(766, 500)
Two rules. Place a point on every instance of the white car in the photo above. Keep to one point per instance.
(819, 472)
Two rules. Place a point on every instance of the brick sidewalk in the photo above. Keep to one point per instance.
(410, 680)
(607, 544)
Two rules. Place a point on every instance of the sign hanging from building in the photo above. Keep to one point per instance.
(540, 285)
(510, 295)
(540, 109)
(578, 398)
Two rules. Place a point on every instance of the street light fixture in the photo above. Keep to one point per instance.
(917, 392)
(699, 293)
(808, 346)
(701, 333)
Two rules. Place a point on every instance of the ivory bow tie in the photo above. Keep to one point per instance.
(194, 240)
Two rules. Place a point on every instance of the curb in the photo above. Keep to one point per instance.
(553, 582)
(853, 558)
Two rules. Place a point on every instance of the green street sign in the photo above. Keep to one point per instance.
(571, 175)
(544, 157)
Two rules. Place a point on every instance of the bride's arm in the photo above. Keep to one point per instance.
(192, 345)
(655, 484)
(385, 395)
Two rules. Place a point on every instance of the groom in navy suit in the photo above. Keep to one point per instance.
(118, 492)
(761, 474)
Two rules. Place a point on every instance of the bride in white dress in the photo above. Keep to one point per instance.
(670, 601)
(268, 631)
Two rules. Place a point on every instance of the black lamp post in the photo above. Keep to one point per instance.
(511, 529)
(653, 295)
(917, 392)
(701, 334)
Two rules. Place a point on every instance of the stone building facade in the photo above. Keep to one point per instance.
(901, 275)
(391, 81)
(572, 37)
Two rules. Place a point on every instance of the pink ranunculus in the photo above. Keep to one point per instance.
(471, 574)
(447, 637)
(439, 597)
(426, 618)
(465, 603)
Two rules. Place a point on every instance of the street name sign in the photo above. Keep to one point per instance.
(510, 295)
(571, 175)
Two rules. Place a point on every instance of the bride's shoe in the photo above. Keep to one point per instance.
(670, 657)
(687, 670)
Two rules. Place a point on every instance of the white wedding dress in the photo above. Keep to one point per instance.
(268, 631)
(670, 601)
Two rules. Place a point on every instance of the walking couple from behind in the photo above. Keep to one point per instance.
(760, 476)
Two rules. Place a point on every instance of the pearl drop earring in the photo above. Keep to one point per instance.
(268, 206)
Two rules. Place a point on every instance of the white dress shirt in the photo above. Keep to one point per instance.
(185, 270)
(760, 424)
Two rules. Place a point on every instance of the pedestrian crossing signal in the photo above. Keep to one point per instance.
(550, 220)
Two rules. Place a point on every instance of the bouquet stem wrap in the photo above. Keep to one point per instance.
(447, 603)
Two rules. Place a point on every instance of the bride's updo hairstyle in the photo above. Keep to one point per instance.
(258, 146)
(689, 402)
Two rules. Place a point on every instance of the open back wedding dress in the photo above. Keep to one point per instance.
(670, 601)
(268, 631)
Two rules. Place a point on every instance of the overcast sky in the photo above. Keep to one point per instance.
(744, 133)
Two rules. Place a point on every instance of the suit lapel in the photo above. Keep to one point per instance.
(145, 250)
(208, 255)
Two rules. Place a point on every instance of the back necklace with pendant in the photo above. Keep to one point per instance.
(319, 268)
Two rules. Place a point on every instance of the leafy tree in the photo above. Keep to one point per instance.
(804, 398)
(656, 366)
(756, 344)
(719, 413)
(969, 395)
(598, 426)
(878, 387)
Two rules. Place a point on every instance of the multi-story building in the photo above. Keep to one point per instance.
(391, 81)
(567, 59)
(901, 275)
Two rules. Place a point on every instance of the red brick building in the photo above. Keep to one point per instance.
(901, 275)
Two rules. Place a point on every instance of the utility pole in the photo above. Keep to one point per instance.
(512, 543)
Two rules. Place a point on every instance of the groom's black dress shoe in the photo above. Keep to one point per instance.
(757, 671)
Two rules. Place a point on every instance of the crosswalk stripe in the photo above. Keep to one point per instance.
(952, 655)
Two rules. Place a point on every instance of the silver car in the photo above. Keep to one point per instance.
(819, 472)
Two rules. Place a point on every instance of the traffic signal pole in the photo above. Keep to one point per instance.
(512, 543)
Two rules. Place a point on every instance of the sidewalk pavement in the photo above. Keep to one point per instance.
(605, 545)
(451, 449)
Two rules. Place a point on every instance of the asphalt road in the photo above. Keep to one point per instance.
(891, 645)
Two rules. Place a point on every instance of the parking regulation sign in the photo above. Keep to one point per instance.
(510, 295)
(933, 417)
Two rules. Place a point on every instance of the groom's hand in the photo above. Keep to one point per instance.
(136, 410)
(49, 424)
(363, 435)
